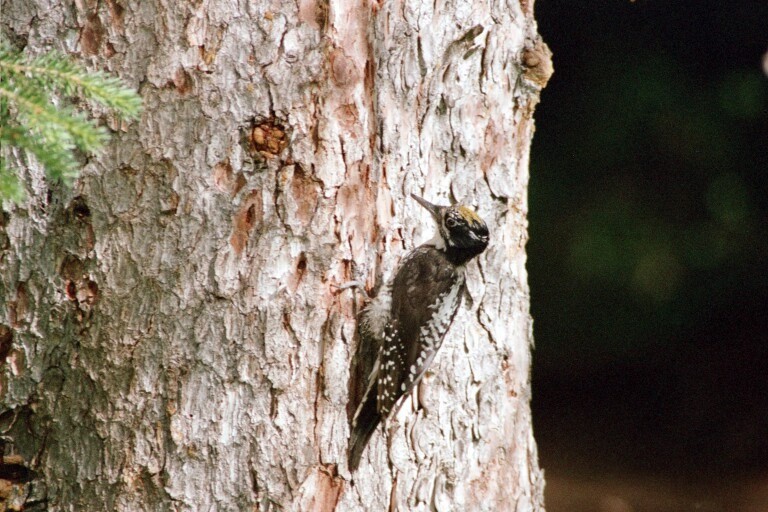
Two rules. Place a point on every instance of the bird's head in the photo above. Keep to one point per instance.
(459, 227)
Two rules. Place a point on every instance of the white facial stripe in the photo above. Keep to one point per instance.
(478, 238)
(444, 232)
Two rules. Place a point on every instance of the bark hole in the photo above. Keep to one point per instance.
(301, 266)
(248, 216)
(13, 471)
(268, 139)
(6, 342)
(79, 208)
(71, 290)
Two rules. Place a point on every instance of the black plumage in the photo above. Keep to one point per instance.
(410, 316)
(411, 337)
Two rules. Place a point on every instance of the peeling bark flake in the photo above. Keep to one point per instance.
(247, 217)
(91, 35)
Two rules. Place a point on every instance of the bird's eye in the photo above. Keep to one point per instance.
(451, 222)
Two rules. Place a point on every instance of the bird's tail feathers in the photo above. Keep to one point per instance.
(364, 424)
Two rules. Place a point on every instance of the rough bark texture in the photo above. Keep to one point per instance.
(171, 333)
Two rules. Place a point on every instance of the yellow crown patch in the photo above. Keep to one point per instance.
(470, 215)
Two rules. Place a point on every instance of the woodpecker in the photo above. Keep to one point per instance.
(410, 316)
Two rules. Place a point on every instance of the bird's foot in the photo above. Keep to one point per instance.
(357, 285)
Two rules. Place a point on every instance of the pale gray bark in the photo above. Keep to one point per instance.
(176, 341)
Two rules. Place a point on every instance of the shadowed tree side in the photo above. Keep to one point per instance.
(177, 341)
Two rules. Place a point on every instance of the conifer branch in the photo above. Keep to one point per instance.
(36, 118)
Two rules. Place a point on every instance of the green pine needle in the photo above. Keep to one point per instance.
(35, 117)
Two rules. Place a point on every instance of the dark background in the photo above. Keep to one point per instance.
(647, 257)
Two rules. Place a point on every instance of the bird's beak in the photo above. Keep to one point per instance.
(431, 208)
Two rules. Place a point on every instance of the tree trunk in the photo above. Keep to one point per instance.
(172, 335)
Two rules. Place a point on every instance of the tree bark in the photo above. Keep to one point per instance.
(172, 335)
